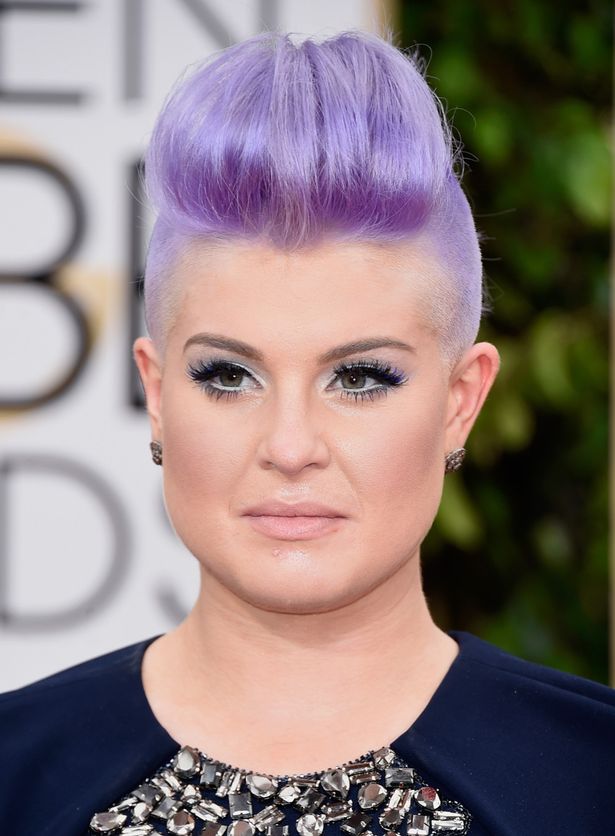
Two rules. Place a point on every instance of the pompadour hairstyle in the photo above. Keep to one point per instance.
(294, 143)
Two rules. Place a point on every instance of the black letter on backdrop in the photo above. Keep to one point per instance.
(136, 260)
(44, 280)
(134, 29)
(72, 97)
(111, 507)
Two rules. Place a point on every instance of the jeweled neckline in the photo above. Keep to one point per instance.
(377, 794)
(292, 776)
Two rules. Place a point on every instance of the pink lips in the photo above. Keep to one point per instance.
(299, 521)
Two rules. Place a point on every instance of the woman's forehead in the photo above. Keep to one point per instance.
(306, 301)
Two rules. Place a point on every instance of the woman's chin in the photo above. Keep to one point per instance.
(296, 581)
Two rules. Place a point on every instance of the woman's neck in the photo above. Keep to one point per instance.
(285, 693)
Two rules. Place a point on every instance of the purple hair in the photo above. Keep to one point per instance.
(294, 143)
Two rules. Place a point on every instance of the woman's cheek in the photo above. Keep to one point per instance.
(408, 465)
(198, 454)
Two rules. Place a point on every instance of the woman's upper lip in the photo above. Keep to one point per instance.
(275, 508)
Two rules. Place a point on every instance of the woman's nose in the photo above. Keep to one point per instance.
(290, 433)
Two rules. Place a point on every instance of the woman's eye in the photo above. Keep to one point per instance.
(355, 378)
(220, 378)
(229, 375)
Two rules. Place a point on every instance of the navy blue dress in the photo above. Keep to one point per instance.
(523, 748)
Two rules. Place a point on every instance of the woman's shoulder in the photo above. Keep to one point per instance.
(84, 683)
(81, 735)
(93, 701)
(516, 741)
(508, 673)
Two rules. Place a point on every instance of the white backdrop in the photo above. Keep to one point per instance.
(88, 562)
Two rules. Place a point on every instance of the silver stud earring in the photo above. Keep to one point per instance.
(454, 459)
(156, 448)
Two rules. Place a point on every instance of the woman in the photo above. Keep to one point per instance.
(313, 296)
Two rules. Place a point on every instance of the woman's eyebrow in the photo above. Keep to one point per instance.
(239, 347)
(363, 345)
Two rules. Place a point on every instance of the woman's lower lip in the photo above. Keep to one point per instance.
(294, 528)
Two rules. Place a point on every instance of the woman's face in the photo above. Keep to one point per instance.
(299, 413)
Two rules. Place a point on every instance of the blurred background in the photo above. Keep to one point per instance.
(519, 552)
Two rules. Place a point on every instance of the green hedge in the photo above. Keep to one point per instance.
(518, 552)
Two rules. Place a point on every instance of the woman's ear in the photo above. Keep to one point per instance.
(150, 370)
(469, 385)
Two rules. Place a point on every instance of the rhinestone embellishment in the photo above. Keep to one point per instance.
(193, 795)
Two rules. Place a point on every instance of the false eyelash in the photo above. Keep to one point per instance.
(384, 370)
(203, 372)
(388, 376)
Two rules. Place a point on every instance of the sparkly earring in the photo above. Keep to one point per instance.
(454, 459)
(156, 448)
